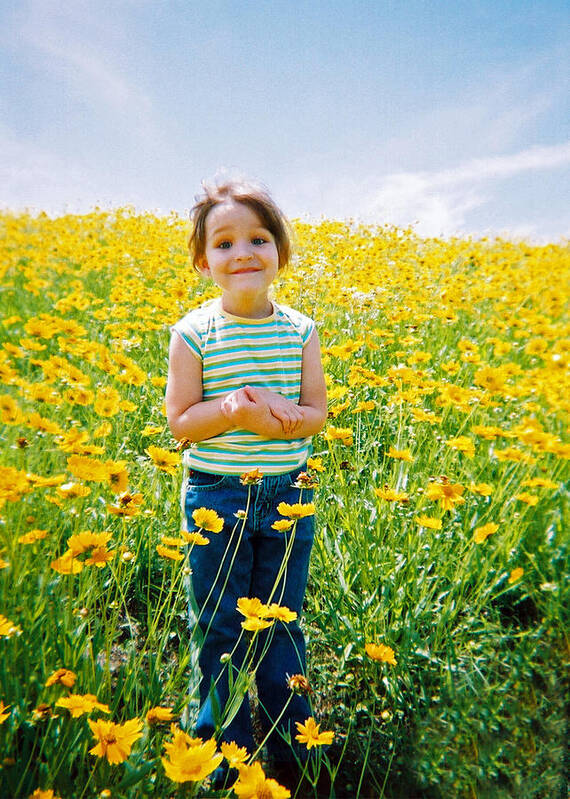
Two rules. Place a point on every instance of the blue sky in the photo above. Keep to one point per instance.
(452, 116)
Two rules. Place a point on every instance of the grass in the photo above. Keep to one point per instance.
(447, 365)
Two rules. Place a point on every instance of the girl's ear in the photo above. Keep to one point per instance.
(203, 266)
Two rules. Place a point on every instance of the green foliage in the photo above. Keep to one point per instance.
(443, 340)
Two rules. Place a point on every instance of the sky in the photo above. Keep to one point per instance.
(452, 117)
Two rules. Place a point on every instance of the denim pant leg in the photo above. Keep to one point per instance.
(215, 589)
(285, 655)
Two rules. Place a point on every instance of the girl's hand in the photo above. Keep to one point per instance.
(257, 410)
(243, 411)
(281, 408)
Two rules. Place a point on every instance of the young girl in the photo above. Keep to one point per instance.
(246, 387)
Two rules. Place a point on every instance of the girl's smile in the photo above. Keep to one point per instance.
(241, 257)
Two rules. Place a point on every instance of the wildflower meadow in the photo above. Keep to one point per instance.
(438, 599)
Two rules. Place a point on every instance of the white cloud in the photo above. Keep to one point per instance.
(505, 165)
(438, 202)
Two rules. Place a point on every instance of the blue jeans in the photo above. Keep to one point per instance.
(244, 560)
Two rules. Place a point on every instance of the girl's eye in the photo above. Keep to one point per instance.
(258, 240)
(224, 245)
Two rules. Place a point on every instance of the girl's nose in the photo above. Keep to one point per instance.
(243, 254)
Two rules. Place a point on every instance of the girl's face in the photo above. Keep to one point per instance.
(240, 256)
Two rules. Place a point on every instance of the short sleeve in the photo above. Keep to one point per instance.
(304, 325)
(188, 328)
(307, 330)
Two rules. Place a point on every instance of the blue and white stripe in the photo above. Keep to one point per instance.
(236, 352)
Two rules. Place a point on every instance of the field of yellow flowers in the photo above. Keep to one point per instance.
(437, 609)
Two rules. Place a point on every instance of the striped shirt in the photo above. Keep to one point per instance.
(235, 352)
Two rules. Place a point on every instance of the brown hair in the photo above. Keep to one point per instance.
(256, 197)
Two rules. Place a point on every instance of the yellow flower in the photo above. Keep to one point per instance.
(32, 536)
(488, 432)
(114, 740)
(52, 480)
(310, 736)
(254, 477)
(530, 499)
(81, 542)
(180, 740)
(107, 402)
(75, 441)
(195, 538)
(299, 684)
(253, 784)
(559, 449)
(42, 712)
(280, 613)
(67, 564)
(3, 714)
(391, 495)
(117, 476)
(462, 444)
(381, 653)
(85, 468)
(207, 519)
(172, 541)
(428, 521)
(421, 415)
(158, 715)
(127, 505)
(72, 490)
(343, 434)
(283, 524)
(251, 608)
(296, 511)
(452, 367)
(364, 405)
(103, 430)
(99, 557)
(316, 464)
(44, 425)
(43, 794)
(483, 532)
(448, 494)
(170, 554)
(7, 628)
(233, 753)
(400, 454)
(163, 459)
(62, 677)
(513, 454)
(483, 489)
(539, 482)
(10, 410)
(190, 760)
(78, 704)
(306, 480)
(254, 625)
(491, 379)
(515, 575)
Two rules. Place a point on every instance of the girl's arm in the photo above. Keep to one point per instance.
(313, 399)
(251, 407)
(188, 415)
(195, 419)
